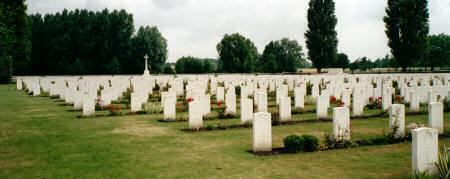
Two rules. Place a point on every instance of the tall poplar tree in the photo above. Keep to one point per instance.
(321, 36)
(407, 29)
(14, 42)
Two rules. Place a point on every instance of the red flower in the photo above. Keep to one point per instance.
(190, 99)
(333, 99)
(219, 104)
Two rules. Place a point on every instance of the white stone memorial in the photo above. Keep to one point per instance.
(397, 120)
(436, 116)
(425, 150)
(262, 132)
(246, 111)
(341, 123)
(285, 109)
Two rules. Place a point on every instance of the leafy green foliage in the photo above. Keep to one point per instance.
(237, 54)
(194, 65)
(407, 30)
(443, 163)
(284, 55)
(293, 143)
(87, 42)
(14, 42)
(148, 41)
(310, 143)
(439, 54)
(331, 142)
(342, 61)
(362, 64)
(321, 36)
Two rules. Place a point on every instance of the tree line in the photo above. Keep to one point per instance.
(106, 42)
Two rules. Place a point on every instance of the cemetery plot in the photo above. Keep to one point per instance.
(330, 111)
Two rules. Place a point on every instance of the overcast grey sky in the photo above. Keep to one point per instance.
(194, 27)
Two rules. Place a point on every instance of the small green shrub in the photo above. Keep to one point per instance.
(310, 143)
(153, 108)
(210, 127)
(209, 117)
(294, 143)
(330, 142)
(182, 117)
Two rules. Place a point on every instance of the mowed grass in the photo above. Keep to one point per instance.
(41, 139)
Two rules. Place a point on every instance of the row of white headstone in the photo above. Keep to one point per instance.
(83, 91)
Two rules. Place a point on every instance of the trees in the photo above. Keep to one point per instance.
(439, 54)
(87, 42)
(342, 61)
(80, 42)
(193, 65)
(407, 28)
(237, 54)
(150, 41)
(14, 42)
(282, 56)
(362, 64)
(321, 36)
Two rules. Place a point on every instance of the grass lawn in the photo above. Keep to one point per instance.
(41, 139)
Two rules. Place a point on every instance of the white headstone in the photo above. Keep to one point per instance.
(322, 104)
(285, 109)
(230, 102)
(425, 150)
(358, 104)
(262, 101)
(246, 111)
(341, 123)
(387, 100)
(397, 120)
(299, 98)
(88, 105)
(436, 116)
(220, 96)
(170, 102)
(414, 102)
(195, 115)
(262, 132)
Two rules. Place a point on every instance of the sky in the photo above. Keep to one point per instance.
(194, 27)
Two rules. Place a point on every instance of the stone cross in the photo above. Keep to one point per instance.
(146, 71)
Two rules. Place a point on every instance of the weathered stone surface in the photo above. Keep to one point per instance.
(341, 123)
(425, 150)
(230, 102)
(195, 115)
(262, 101)
(220, 96)
(170, 102)
(299, 98)
(88, 105)
(397, 120)
(322, 104)
(436, 116)
(285, 109)
(358, 104)
(246, 111)
(262, 132)
(414, 102)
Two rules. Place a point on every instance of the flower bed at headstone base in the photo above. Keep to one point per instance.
(329, 142)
